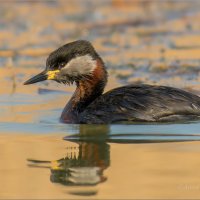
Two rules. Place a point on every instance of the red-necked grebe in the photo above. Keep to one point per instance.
(78, 62)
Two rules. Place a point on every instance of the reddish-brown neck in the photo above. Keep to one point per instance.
(87, 91)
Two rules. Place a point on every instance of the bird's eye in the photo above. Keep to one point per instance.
(61, 65)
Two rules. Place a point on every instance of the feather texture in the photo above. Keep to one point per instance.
(142, 103)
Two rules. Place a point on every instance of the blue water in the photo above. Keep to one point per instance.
(114, 133)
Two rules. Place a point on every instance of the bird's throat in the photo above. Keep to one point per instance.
(86, 92)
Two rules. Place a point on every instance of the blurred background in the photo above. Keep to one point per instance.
(155, 42)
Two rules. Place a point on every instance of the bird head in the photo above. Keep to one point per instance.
(70, 63)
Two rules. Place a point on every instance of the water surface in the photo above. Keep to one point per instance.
(150, 42)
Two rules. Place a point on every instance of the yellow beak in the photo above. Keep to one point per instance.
(51, 74)
(45, 75)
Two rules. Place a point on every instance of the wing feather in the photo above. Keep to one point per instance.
(140, 103)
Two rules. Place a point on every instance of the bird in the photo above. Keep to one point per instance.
(79, 63)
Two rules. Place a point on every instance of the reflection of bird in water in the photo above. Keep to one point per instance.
(82, 166)
(79, 62)
(86, 168)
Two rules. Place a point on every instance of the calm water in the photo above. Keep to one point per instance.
(53, 160)
(154, 42)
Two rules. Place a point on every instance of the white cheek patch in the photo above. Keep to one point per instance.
(80, 66)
